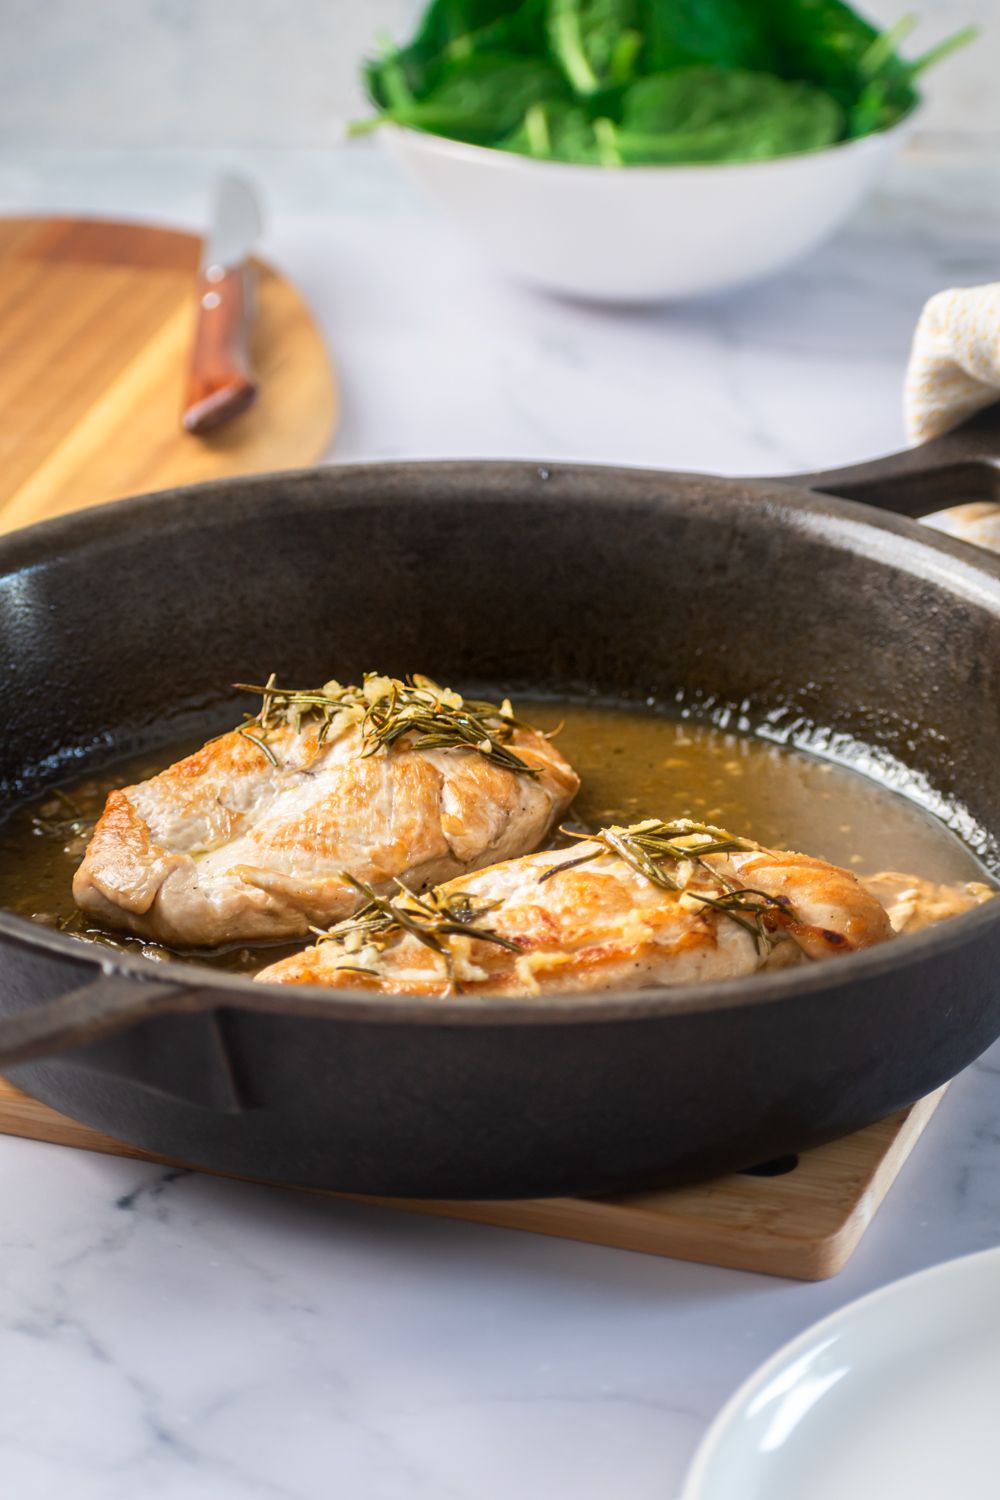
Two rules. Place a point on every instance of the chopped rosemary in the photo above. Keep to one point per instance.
(432, 919)
(386, 709)
(647, 846)
(261, 744)
(643, 845)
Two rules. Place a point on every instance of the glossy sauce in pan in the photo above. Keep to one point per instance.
(633, 764)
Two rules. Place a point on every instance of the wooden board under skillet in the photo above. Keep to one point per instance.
(801, 1217)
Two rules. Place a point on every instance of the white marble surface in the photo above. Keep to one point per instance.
(179, 1338)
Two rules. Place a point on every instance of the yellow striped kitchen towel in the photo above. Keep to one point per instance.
(954, 367)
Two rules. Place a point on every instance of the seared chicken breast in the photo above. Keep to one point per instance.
(653, 904)
(260, 834)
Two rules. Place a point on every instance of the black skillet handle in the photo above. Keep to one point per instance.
(112, 1003)
(961, 467)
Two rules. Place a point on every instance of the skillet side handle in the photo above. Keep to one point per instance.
(961, 467)
(100, 1009)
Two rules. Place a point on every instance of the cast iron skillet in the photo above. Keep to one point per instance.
(780, 603)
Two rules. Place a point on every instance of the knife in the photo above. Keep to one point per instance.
(220, 382)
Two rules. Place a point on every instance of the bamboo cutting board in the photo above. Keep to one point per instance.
(804, 1221)
(96, 324)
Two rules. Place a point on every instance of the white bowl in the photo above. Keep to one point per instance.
(633, 234)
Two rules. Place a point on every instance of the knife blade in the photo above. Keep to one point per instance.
(220, 381)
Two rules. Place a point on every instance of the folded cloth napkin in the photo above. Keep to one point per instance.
(954, 367)
(954, 371)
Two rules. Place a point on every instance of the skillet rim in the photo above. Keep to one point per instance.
(28, 547)
(962, 564)
(216, 989)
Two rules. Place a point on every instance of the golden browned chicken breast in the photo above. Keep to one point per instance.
(260, 833)
(652, 904)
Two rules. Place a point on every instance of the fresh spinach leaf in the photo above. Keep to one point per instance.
(617, 81)
(730, 33)
(887, 92)
(595, 42)
(446, 22)
(827, 43)
(480, 99)
(709, 114)
(561, 131)
(449, 31)
(520, 30)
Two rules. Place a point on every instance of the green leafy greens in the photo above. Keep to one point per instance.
(622, 82)
(709, 114)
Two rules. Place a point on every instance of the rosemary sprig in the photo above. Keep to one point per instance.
(261, 744)
(282, 706)
(387, 708)
(644, 845)
(647, 847)
(755, 904)
(432, 919)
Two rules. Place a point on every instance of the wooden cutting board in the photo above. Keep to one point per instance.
(801, 1217)
(96, 322)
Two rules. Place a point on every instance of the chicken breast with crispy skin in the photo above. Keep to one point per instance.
(654, 904)
(255, 836)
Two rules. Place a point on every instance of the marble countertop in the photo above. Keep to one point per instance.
(175, 1337)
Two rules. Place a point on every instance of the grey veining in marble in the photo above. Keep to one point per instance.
(168, 1335)
(173, 1337)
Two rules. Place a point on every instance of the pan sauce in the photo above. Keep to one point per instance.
(633, 764)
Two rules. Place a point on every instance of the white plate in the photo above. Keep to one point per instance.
(896, 1395)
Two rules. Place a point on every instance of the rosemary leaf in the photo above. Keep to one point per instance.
(647, 847)
(433, 718)
(260, 743)
(432, 919)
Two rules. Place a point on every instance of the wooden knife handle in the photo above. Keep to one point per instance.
(220, 384)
